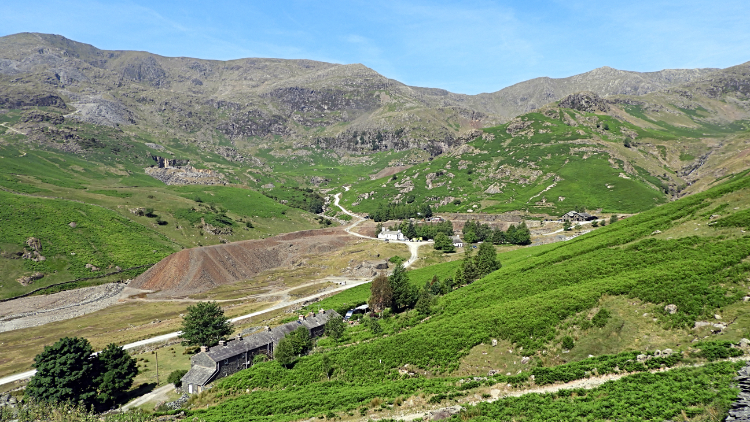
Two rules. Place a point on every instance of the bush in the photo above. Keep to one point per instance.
(568, 343)
(601, 318)
(176, 377)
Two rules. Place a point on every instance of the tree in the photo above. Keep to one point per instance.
(205, 324)
(403, 294)
(443, 243)
(335, 328)
(470, 236)
(381, 293)
(284, 352)
(116, 372)
(424, 303)
(613, 219)
(66, 371)
(411, 231)
(459, 279)
(292, 345)
(566, 226)
(175, 377)
(522, 235)
(486, 260)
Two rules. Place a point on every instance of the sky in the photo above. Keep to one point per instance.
(463, 46)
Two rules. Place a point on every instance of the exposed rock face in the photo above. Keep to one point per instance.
(187, 175)
(352, 108)
(585, 101)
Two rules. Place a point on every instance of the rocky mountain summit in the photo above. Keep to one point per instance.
(260, 102)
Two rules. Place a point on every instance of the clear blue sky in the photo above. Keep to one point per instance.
(462, 46)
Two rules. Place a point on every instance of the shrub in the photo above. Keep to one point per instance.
(176, 377)
(601, 318)
(568, 343)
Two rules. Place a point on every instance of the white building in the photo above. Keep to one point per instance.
(457, 242)
(391, 235)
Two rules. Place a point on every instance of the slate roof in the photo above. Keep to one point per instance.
(198, 375)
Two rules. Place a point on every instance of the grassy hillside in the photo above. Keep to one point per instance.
(558, 159)
(122, 215)
(101, 237)
(668, 255)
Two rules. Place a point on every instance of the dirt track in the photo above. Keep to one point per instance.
(197, 270)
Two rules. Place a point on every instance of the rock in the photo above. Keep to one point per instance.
(494, 342)
(667, 352)
(656, 232)
(440, 414)
(492, 372)
(744, 342)
(34, 244)
(717, 316)
(25, 281)
(525, 360)
(641, 358)
(671, 308)
(73, 224)
(584, 101)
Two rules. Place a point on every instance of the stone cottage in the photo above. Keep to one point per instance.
(238, 354)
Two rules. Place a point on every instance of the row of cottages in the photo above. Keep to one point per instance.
(391, 235)
(573, 217)
(235, 355)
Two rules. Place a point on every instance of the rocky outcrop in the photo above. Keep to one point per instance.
(740, 411)
(26, 280)
(585, 101)
(187, 175)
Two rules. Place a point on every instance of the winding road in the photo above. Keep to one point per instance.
(413, 246)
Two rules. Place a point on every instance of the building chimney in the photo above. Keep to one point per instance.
(222, 342)
(204, 348)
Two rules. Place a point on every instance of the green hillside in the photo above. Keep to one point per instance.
(553, 161)
(690, 253)
(101, 237)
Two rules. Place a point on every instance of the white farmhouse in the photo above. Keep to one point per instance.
(457, 242)
(391, 235)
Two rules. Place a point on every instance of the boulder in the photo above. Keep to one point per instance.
(671, 308)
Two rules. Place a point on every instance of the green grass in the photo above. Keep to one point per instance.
(549, 166)
(527, 301)
(101, 237)
(691, 392)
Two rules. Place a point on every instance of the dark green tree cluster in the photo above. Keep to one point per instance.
(444, 243)
(401, 212)
(475, 267)
(204, 325)
(292, 346)
(68, 371)
(475, 231)
(426, 230)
